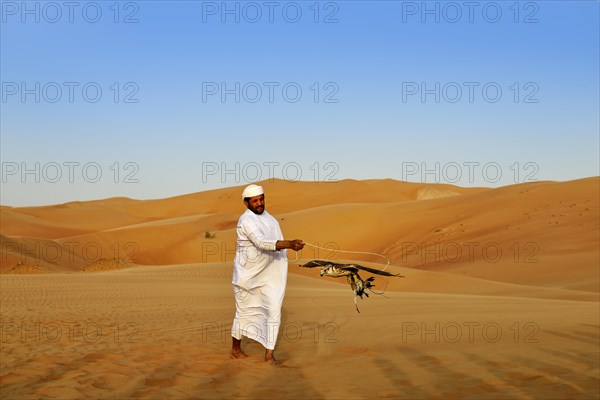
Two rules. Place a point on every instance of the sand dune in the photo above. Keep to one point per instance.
(430, 193)
(123, 298)
(536, 226)
(284, 196)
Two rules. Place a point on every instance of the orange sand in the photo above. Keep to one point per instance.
(120, 298)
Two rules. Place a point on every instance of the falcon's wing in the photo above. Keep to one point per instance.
(350, 267)
(375, 271)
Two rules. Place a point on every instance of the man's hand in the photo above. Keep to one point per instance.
(295, 244)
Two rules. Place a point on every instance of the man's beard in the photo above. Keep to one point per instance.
(257, 210)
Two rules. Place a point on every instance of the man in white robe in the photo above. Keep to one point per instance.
(259, 275)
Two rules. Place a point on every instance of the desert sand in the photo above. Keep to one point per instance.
(122, 298)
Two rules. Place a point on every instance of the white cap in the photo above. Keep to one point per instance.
(252, 190)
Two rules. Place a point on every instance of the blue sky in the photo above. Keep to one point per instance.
(150, 99)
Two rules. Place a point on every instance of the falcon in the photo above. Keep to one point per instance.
(350, 271)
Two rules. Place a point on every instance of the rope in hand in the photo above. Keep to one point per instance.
(348, 251)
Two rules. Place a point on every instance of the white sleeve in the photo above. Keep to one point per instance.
(251, 231)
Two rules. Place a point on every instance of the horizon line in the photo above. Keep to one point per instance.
(271, 180)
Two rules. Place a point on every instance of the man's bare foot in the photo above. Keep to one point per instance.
(270, 358)
(274, 362)
(236, 349)
(237, 354)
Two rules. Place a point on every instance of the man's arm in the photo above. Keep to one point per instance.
(295, 244)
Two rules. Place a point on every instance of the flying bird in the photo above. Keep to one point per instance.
(350, 271)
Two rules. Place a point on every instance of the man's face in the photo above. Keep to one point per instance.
(256, 204)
